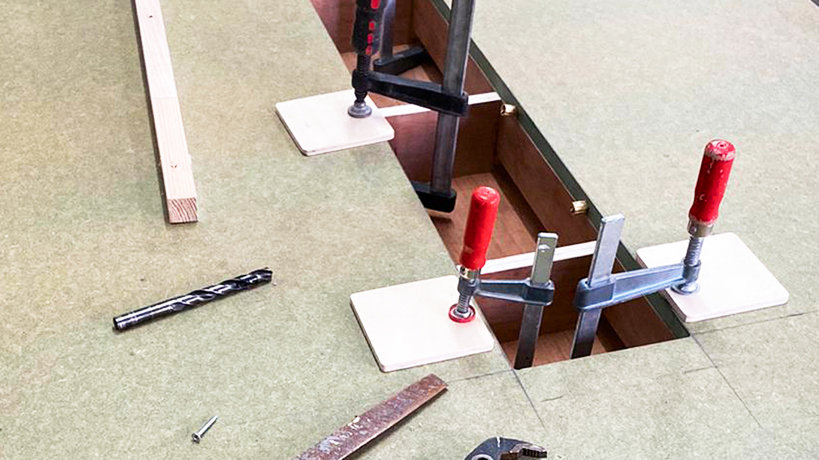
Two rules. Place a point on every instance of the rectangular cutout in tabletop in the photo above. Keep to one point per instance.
(496, 151)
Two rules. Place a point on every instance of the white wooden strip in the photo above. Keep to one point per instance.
(526, 260)
(410, 109)
(177, 175)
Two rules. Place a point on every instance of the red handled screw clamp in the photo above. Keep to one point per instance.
(535, 292)
(602, 289)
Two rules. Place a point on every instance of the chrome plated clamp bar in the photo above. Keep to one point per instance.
(603, 289)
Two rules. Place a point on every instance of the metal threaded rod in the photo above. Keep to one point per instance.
(463, 305)
(691, 261)
(362, 65)
(360, 109)
(692, 255)
(192, 299)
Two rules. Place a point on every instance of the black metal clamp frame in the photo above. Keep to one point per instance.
(448, 99)
(397, 63)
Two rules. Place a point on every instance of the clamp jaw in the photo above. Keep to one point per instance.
(534, 292)
(520, 291)
(367, 36)
(603, 289)
(506, 449)
(400, 62)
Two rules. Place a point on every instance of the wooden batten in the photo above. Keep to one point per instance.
(177, 175)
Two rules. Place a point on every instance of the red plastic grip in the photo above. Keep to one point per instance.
(479, 225)
(714, 171)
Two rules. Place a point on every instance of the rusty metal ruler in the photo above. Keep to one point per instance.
(375, 421)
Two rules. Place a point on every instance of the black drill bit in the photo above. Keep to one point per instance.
(193, 299)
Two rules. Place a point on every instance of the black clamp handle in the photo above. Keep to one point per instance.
(369, 15)
(366, 41)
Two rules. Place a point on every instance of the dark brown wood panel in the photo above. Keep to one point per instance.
(414, 141)
(505, 317)
(553, 348)
(515, 228)
(539, 184)
(431, 28)
(636, 323)
(630, 324)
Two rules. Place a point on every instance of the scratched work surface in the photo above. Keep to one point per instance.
(627, 93)
(83, 238)
(612, 85)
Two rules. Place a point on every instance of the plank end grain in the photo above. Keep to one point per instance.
(172, 146)
(182, 210)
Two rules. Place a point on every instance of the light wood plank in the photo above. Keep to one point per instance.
(408, 325)
(177, 174)
(320, 124)
(732, 279)
(526, 260)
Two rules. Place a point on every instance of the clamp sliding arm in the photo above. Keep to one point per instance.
(603, 289)
(367, 36)
(535, 292)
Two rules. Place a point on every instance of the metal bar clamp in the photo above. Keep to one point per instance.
(603, 289)
(534, 292)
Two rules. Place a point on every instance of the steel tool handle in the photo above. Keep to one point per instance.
(479, 225)
(369, 15)
(714, 171)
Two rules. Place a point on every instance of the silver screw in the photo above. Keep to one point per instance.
(201, 433)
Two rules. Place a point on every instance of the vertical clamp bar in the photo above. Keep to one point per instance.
(457, 56)
(533, 314)
(600, 272)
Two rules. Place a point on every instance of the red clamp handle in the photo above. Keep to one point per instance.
(714, 171)
(479, 225)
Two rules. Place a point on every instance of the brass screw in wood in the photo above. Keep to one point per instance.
(579, 207)
(508, 110)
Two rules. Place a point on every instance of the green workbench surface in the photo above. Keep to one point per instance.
(626, 94)
(623, 96)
